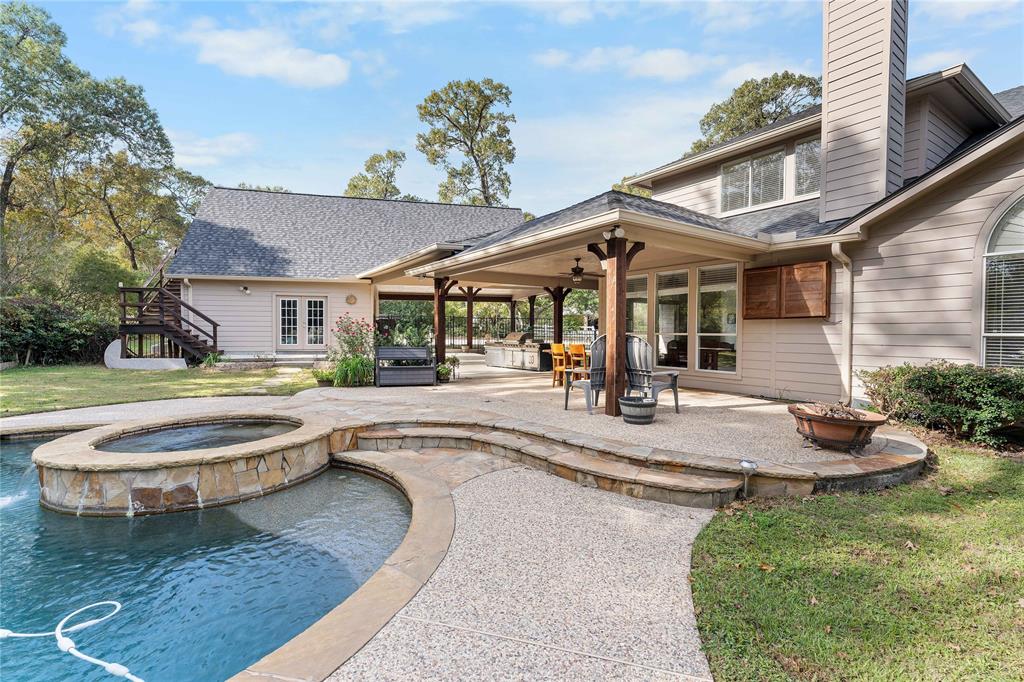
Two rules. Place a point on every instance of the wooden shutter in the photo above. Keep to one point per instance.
(761, 293)
(805, 289)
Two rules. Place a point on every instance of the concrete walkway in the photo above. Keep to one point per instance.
(546, 579)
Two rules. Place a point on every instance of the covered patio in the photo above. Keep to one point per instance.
(666, 274)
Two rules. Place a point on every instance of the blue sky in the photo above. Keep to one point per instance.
(299, 94)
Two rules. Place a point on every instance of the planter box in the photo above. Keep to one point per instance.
(406, 376)
(637, 409)
(838, 433)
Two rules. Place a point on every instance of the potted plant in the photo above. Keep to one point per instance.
(324, 377)
(834, 425)
(444, 373)
(637, 409)
(454, 362)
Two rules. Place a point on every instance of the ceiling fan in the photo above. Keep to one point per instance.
(576, 272)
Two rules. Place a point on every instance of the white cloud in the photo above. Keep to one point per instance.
(735, 75)
(991, 12)
(666, 64)
(140, 20)
(571, 12)
(193, 151)
(335, 20)
(940, 59)
(567, 157)
(732, 16)
(266, 52)
(374, 64)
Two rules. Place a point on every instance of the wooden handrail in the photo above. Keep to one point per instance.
(158, 274)
(158, 298)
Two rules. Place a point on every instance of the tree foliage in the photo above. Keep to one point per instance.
(380, 178)
(621, 186)
(469, 138)
(263, 188)
(757, 103)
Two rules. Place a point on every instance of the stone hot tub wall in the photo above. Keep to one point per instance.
(76, 478)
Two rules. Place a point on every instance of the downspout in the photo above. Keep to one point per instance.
(846, 361)
(185, 282)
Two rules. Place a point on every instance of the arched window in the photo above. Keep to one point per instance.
(1004, 291)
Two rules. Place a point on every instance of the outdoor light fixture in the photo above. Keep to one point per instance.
(244, 289)
(617, 232)
(748, 469)
(577, 273)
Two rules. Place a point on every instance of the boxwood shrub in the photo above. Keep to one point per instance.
(970, 402)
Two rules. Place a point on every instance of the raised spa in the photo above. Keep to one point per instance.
(204, 593)
(198, 436)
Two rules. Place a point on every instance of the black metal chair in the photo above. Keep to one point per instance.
(640, 373)
(593, 384)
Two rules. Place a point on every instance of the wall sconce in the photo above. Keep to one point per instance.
(245, 290)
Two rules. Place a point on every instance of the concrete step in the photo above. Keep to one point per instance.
(686, 489)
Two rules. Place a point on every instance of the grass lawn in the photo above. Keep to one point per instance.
(43, 389)
(921, 582)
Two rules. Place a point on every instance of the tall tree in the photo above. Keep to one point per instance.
(54, 113)
(757, 103)
(125, 204)
(379, 179)
(469, 138)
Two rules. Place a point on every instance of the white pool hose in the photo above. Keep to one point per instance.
(67, 645)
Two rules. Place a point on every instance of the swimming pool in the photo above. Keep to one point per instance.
(204, 593)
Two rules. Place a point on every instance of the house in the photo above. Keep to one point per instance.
(885, 226)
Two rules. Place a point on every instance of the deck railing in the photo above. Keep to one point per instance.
(159, 311)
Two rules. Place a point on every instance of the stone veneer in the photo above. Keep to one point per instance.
(76, 478)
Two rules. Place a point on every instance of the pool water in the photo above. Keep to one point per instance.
(198, 437)
(205, 593)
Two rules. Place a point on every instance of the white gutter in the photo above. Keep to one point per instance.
(846, 361)
(415, 255)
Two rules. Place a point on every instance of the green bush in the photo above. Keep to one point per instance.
(355, 370)
(971, 402)
(48, 334)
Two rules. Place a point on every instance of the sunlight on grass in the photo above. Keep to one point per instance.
(43, 389)
(924, 581)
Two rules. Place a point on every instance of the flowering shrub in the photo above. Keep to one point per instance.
(353, 337)
(352, 355)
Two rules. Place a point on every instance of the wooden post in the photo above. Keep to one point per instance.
(558, 295)
(615, 313)
(470, 294)
(442, 285)
(533, 311)
(512, 315)
(617, 262)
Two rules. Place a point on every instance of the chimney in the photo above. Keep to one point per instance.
(863, 100)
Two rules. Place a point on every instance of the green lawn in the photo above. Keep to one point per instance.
(42, 389)
(923, 581)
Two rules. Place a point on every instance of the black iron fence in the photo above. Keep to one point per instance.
(417, 330)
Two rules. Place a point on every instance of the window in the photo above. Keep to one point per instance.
(636, 305)
(1004, 291)
(754, 181)
(671, 317)
(315, 321)
(716, 321)
(808, 166)
(289, 321)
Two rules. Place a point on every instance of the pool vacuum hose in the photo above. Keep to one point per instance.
(67, 645)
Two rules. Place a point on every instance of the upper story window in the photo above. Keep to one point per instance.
(753, 181)
(808, 166)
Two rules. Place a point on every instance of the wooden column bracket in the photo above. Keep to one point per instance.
(633, 251)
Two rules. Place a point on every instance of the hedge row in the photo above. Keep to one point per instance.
(47, 334)
(970, 402)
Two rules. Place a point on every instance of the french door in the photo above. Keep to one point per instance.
(301, 322)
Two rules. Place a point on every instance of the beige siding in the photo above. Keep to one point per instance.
(917, 286)
(696, 190)
(863, 103)
(944, 134)
(248, 323)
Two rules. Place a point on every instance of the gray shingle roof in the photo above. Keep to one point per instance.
(1012, 100)
(602, 203)
(253, 233)
(800, 217)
